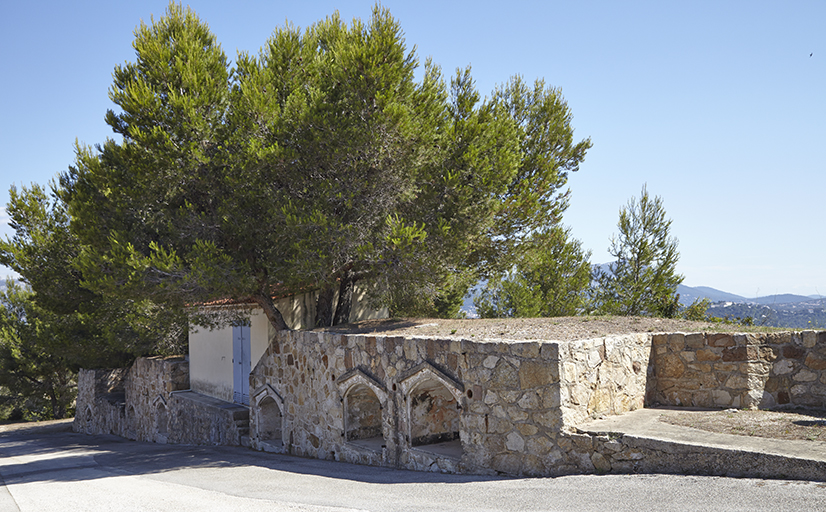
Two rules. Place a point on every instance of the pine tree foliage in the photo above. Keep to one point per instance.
(551, 278)
(313, 165)
(643, 279)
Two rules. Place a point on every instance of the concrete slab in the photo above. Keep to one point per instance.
(745, 455)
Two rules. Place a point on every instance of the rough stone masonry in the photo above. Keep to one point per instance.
(464, 406)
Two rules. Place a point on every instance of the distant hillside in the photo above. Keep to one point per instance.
(808, 314)
(689, 294)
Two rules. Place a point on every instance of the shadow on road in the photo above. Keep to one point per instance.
(32, 455)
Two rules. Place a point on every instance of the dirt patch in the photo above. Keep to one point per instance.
(792, 425)
(558, 328)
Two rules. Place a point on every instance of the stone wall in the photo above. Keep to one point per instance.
(762, 370)
(439, 404)
(603, 376)
(101, 402)
(460, 405)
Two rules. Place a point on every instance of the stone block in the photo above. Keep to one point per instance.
(783, 367)
(527, 429)
(601, 464)
(702, 368)
(504, 377)
(798, 390)
(688, 356)
(707, 355)
(792, 351)
(805, 376)
(721, 398)
(659, 339)
(533, 374)
(514, 442)
(676, 342)
(720, 340)
(695, 341)
(814, 362)
(670, 367)
(809, 338)
(735, 354)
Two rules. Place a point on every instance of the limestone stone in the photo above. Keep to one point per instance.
(676, 342)
(527, 429)
(514, 442)
(533, 374)
(529, 400)
(490, 362)
(517, 414)
(799, 389)
(505, 377)
(721, 397)
(783, 367)
(809, 338)
(695, 340)
(688, 356)
(805, 376)
(735, 354)
(720, 340)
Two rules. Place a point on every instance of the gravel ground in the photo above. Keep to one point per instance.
(558, 328)
(802, 425)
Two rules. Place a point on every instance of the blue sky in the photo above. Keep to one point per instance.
(717, 106)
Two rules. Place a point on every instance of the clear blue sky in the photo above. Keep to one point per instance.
(717, 106)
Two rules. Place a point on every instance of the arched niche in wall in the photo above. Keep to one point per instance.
(161, 419)
(363, 400)
(433, 403)
(131, 429)
(268, 407)
(89, 418)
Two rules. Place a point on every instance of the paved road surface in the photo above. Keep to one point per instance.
(46, 470)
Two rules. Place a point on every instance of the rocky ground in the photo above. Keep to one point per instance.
(558, 328)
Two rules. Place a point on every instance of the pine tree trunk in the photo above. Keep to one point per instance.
(345, 300)
(324, 307)
(273, 315)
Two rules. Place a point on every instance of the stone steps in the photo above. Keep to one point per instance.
(241, 417)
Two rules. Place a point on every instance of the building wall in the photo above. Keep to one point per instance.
(210, 351)
(210, 362)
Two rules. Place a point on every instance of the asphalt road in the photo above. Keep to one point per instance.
(47, 470)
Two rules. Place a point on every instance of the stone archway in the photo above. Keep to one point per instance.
(362, 414)
(433, 412)
(161, 423)
(268, 420)
(363, 400)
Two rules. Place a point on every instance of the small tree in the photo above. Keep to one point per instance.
(642, 280)
(34, 344)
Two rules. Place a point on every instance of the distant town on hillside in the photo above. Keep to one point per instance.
(782, 310)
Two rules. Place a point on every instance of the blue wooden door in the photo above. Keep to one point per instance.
(241, 364)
